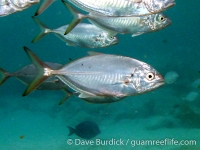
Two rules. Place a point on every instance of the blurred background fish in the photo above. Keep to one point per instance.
(27, 73)
(171, 77)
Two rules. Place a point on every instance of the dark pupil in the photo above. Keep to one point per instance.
(150, 76)
(161, 18)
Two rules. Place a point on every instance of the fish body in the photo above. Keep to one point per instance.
(101, 76)
(108, 75)
(83, 35)
(134, 25)
(8, 7)
(86, 130)
(86, 35)
(123, 7)
(131, 25)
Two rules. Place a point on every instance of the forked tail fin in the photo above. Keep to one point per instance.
(45, 4)
(44, 71)
(44, 30)
(4, 75)
(71, 131)
(78, 17)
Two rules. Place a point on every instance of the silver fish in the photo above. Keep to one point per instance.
(123, 7)
(124, 25)
(101, 76)
(83, 35)
(8, 7)
(28, 73)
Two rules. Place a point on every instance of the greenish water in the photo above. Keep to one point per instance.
(36, 121)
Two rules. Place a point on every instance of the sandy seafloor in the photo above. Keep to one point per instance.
(164, 113)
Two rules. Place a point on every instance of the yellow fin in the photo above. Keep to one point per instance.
(41, 76)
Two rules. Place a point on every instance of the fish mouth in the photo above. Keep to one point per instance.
(157, 85)
(160, 81)
(170, 5)
(169, 22)
(115, 41)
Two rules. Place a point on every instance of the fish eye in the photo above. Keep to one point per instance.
(162, 18)
(111, 37)
(150, 76)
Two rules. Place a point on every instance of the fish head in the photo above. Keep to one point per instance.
(145, 78)
(157, 21)
(104, 40)
(155, 6)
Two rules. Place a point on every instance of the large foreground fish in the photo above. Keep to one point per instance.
(122, 7)
(83, 35)
(124, 25)
(96, 77)
(27, 73)
(8, 7)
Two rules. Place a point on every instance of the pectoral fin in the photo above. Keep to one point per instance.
(137, 34)
(68, 94)
(86, 95)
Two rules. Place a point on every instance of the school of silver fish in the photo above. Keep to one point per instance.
(97, 78)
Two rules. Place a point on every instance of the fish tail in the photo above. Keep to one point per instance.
(71, 131)
(45, 4)
(4, 76)
(44, 71)
(78, 17)
(68, 94)
(44, 30)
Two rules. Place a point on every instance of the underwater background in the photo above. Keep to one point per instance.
(37, 122)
